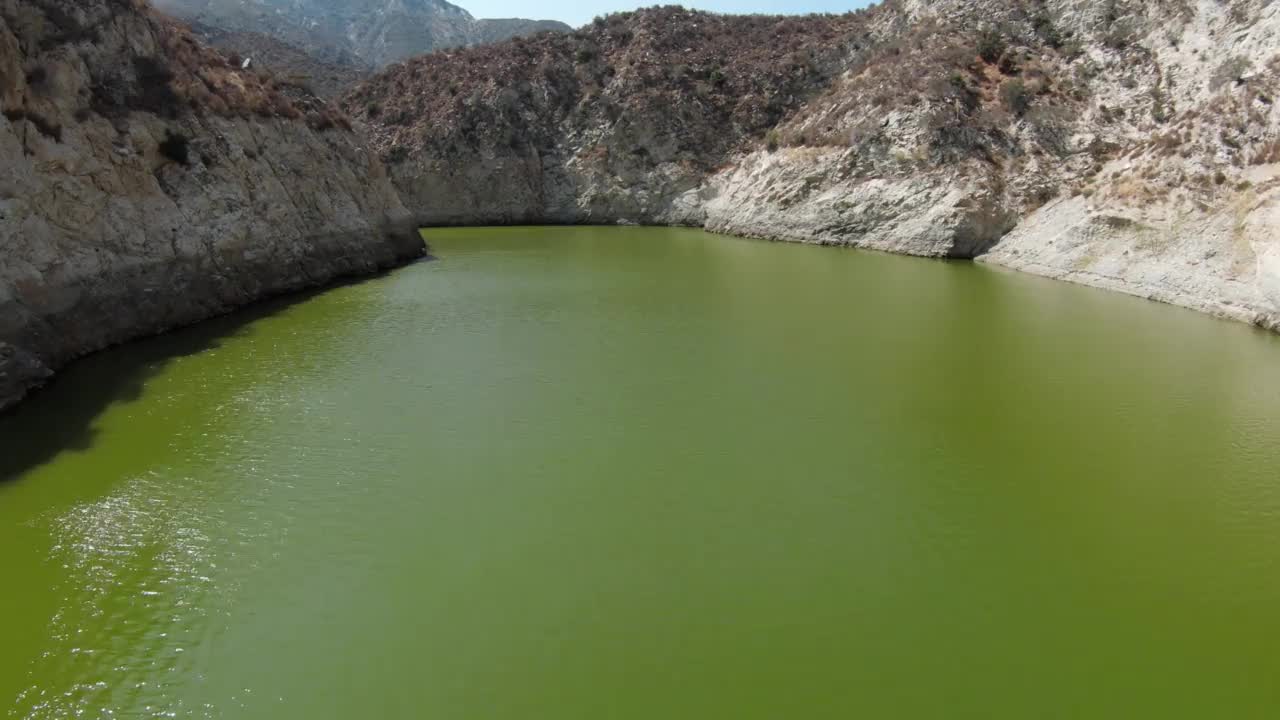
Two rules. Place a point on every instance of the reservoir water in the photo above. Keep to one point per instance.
(644, 473)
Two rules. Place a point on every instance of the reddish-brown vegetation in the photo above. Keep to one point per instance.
(676, 81)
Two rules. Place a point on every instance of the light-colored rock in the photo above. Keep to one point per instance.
(797, 194)
(1133, 146)
(1226, 263)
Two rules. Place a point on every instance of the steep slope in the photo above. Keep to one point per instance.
(327, 78)
(623, 120)
(378, 32)
(1130, 145)
(146, 182)
(1185, 208)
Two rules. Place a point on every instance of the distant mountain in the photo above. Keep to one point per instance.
(327, 74)
(499, 29)
(355, 33)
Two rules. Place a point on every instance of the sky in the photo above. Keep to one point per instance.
(580, 12)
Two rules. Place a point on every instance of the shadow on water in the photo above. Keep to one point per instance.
(61, 415)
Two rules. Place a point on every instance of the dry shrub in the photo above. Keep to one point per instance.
(185, 76)
(1266, 154)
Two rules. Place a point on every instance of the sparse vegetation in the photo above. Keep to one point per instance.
(1160, 107)
(735, 78)
(1015, 96)
(1002, 99)
(1229, 72)
(991, 44)
(1267, 154)
(1046, 30)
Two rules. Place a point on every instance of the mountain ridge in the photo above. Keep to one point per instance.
(376, 32)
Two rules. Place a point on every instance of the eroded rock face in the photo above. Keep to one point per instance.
(798, 194)
(145, 183)
(614, 123)
(1133, 145)
(1185, 209)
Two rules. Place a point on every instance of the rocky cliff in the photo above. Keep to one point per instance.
(146, 182)
(376, 32)
(1130, 145)
(622, 121)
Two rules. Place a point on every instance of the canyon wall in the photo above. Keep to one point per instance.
(146, 183)
(1129, 145)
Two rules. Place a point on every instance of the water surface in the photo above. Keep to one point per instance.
(643, 473)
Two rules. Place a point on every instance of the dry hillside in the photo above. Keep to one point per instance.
(1131, 145)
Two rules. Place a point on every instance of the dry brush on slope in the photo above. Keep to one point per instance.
(927, 127)
(665, 91)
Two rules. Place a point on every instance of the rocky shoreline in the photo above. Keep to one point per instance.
(1133, 147)
(149, 182)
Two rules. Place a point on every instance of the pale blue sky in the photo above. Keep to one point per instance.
(580, 12)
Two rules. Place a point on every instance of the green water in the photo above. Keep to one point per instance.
(643, 473)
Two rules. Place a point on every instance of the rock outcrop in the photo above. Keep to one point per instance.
(1129, 145)
(146, 182)
(1185, 207)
